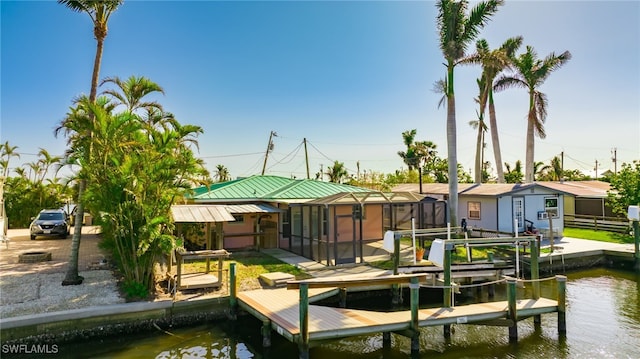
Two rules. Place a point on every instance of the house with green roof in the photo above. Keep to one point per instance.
(324, 221)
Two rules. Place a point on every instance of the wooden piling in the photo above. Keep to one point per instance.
(395, 288)
(512, 314)
(233, 292)
(343, 298)
(386, 340)
(414, 288)
(447, 283)
(535, 276)
(266, 333)
(562, 304)
(636, 241)
(304, 321)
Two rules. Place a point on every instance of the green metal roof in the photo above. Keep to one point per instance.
(272, 188)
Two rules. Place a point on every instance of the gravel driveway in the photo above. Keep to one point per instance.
(33, 288)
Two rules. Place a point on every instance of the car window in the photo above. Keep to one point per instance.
(51, 216)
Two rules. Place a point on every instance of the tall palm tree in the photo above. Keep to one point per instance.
(457, 30)
(481, 127)
(99, 11)
(530, 73)
(493, 62)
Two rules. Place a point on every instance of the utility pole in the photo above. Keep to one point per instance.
(562, 166)
(596, 169)
(306, 155)
(269, 148)
(614, 152)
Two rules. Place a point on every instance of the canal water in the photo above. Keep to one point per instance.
(603, 321)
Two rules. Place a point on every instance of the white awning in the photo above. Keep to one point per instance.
(199, 213)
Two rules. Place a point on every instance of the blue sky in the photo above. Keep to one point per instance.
(349, 77)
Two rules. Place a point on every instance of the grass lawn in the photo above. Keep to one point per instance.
(602, 236)
(249, 266)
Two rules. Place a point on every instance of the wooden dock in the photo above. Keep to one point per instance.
(289, 313)
(280, 306)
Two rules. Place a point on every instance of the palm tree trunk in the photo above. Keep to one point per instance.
(495, 140)
(452, 149)
(478, 164)
(528, 172)
(72, 277)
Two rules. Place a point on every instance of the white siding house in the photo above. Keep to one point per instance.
(503, 207)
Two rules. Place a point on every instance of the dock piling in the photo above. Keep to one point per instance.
(562, 304)
(266, 333)
(304, 321)
(414, 287)
(512, 314)
(233, 292)
(386, 340)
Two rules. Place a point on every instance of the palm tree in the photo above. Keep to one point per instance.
(515, 175)
(6, 152)
(409, 157)
(130, 92)
(530, 73)
(550, 172)
(457, 30)
(46, 161)
(481, 126)
(222, 173)
(417, 154)
(337, 172)
(493, 62)
(99, 11)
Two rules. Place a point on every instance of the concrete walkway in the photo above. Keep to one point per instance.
(562, 246)
(568, 245)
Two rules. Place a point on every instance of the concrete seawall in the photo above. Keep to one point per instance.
(116, 319)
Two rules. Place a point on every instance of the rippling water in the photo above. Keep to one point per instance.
(603, 321)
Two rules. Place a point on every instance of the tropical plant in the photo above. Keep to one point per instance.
(515, 175)
(409, 157)
(625, 188)
(418, 153)
(457, 30)
(530, 73)
(550, 172)
(337, 173)
(222, 173)
(136, 170)
(6, 153)
(99, 11)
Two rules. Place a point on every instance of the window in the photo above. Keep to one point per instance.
(473, 210)
(358, 212)
(551, 206)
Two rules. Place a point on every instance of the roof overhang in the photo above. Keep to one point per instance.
(252, 208)
(211, 213)
(196, 213)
